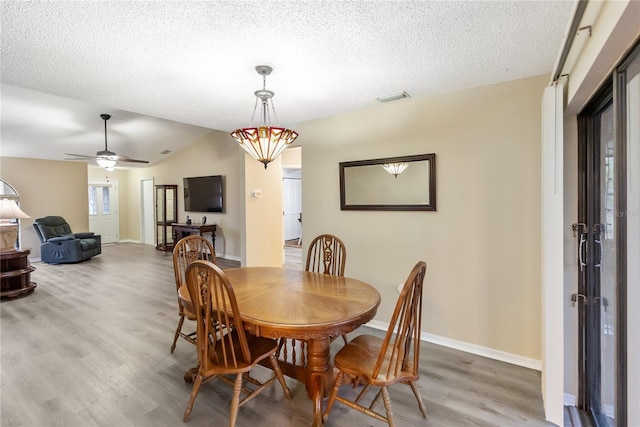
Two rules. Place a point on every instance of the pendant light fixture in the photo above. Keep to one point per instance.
(264, 142)
(396, 168)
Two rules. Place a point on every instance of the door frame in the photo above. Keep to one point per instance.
(588, 214)
(613, 91)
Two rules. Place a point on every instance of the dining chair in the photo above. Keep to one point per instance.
(326, 255)
(228, 349)
(187, 250)
(383, 362)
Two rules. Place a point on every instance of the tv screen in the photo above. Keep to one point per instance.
(203, 194)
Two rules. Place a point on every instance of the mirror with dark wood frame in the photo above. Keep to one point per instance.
(405, 183)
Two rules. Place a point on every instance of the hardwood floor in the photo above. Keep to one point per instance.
(90, 347)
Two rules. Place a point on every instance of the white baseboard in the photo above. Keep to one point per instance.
(570, 400)
(229, 257)
(479, 350)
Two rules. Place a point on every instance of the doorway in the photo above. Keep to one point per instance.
(292, 204)
(103, 209)
(608, 251)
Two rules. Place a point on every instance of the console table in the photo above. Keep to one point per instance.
(15, 274)
(184, 230)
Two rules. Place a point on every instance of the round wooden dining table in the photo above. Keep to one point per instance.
(313, 307)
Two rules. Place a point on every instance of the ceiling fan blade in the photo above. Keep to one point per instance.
(79, 156)
(105, 154)
(132, 160)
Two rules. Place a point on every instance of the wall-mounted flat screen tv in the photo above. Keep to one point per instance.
(203, 194)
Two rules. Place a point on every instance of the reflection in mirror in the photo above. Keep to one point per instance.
(395, 183)
(395, 168)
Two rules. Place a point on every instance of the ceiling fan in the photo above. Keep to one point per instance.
(105, 158)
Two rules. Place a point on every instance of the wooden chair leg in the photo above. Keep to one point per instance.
(177, 334)
(278, 372)
(416, 393)
(364, 391)
(387, 405)
(344, 338)
(376, 398)
(235, 401)
(194, 392)
(332, 397)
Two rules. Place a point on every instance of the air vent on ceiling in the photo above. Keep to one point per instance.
(165, 152)
(394, 97)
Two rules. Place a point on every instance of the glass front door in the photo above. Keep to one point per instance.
(609, 248)
(598, 258)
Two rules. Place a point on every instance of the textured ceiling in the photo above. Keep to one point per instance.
(156, 66)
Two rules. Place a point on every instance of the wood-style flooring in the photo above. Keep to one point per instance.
(90, 347)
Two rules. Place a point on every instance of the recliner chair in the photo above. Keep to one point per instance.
(59, 245)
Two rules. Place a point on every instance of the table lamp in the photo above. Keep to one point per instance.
(9, 231)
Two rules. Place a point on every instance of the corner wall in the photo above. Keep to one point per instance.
(213, 154)
(482, 246)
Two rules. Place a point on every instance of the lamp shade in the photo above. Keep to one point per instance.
(9, 209)
(396, 168)
(264, 143)
(106, 163)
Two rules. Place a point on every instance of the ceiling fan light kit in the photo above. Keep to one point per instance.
(264, 142)
(105, 158)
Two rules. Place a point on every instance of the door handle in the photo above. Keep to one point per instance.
(597, 231)
(605, 302)
(582, 229)
(582, 251)
(599, 243)
(574, 298)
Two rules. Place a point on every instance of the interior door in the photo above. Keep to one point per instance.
(103, 210)
(292, 207)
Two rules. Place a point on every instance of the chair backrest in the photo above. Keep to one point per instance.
(327, 255)
(187, 250)
(401, 346)
(51, 226)
(215, 303)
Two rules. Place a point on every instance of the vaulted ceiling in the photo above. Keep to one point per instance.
(169, 71)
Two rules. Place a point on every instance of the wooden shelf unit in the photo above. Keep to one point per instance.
(166, 214)
(15, 274)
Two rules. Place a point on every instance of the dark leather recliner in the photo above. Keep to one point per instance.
(59, 245)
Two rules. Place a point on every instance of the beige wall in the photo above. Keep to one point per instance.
(48, 187)
(482, 246)
(214, 154)
(263, 234)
